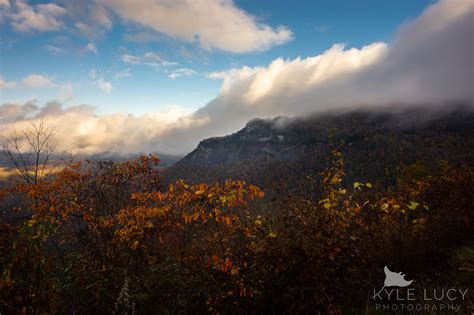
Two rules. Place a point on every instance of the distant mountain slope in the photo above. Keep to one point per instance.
(376, 144)
(166, 160)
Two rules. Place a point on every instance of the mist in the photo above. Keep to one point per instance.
(429, 64)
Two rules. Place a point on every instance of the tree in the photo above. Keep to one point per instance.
(25, 268)
(30, 152)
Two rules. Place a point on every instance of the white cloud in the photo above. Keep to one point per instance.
(54, 49)
(99, 15)
(150, 59)
(92, 74)
(85, 28)
(79, 127)
(212, 23)
(66, 91)
(123, 74)
(298, 74)
(429, 63)
(6, 84)
(5, 3)
(38, 80)
(40, 17)
(104, 85)
(11, 113)
(99, 82)
(89, 18)
(90, 47)
(181, 72)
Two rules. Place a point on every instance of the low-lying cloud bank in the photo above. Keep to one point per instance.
(79, 128)
(430, 63)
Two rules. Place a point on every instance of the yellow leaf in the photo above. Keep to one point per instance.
(413, 205)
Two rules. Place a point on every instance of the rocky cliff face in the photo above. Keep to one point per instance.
(284, 148)
(259, 138)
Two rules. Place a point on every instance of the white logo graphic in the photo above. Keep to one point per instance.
(392, 298)
(393, 279)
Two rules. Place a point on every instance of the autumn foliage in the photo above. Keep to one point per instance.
(105, 237)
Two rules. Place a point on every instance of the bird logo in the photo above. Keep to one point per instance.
(393, 279)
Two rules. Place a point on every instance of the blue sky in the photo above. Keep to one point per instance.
(123, 76)
(77, 63)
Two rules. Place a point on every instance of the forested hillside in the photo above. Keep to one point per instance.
(377, 145)
(287, 215)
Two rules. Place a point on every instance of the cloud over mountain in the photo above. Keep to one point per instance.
(429, 63)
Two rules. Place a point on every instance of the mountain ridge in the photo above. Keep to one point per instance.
(301, 145)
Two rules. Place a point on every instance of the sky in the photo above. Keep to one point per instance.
(122, 76)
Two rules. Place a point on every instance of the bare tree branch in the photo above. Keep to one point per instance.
(31, 152)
